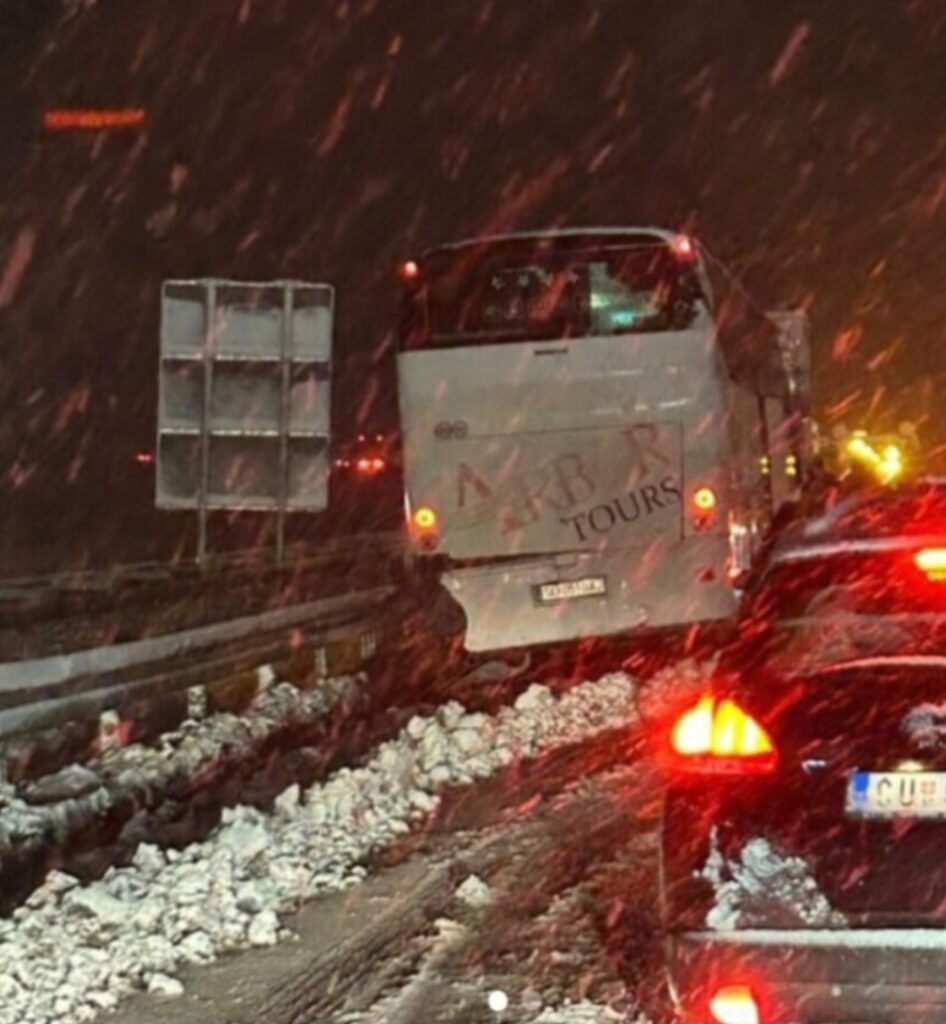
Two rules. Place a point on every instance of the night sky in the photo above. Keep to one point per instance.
(804, 141)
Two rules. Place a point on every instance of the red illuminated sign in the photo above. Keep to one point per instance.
(93, 119)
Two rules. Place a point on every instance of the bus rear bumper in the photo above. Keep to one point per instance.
(654, 588)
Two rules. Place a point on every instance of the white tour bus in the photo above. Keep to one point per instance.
(597, 426)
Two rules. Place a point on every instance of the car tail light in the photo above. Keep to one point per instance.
(932, 562)
(718, 736)
(368, 467)
(734, 1004)
(409, 271)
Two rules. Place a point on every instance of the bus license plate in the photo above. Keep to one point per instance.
(569, 590)
(897, 795)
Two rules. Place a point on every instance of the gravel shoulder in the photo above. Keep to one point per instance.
(334, 934)
(403, 946)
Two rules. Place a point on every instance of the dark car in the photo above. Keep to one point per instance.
(366, 457)
(803, 845)
(366, 492)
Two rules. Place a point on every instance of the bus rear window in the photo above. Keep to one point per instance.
(507, 293)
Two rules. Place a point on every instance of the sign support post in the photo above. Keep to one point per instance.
(209, 345)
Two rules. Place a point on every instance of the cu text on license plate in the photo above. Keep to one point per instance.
(897, 795)
(570, 590)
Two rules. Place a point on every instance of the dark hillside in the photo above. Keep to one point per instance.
(326, 140)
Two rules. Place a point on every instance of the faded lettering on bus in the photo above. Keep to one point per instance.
(520, 500)
(625, 508)
(602, 482)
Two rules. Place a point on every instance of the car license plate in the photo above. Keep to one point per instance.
(897, 795)
(569, 590)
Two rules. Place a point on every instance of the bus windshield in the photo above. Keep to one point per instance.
(516, 291)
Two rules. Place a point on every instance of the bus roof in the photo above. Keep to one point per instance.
(657, 234)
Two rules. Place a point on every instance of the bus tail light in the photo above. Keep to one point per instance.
(704, 503)
(704, 499)
(683, 248)
(718, 737)
(424, 527)
(425, 518)
(734, 1004)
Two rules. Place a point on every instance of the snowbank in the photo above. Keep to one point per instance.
(73, 951)
(179, 755)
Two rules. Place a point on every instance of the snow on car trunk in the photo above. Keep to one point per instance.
(73, 951)
(764, 887)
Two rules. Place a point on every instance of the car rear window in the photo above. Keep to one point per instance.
(888, 583)
(910, 511)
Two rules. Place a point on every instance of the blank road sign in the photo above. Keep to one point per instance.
(244, 395)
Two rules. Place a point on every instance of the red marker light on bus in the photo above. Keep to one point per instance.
(410, 271)
(683, 248)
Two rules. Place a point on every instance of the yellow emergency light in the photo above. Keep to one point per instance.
(886, 464)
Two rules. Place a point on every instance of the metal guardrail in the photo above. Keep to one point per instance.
(252, 559)
(75, 611)
(71, 689)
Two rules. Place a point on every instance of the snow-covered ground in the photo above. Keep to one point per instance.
(494, 959)
(583, 1012)
(74, 950)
